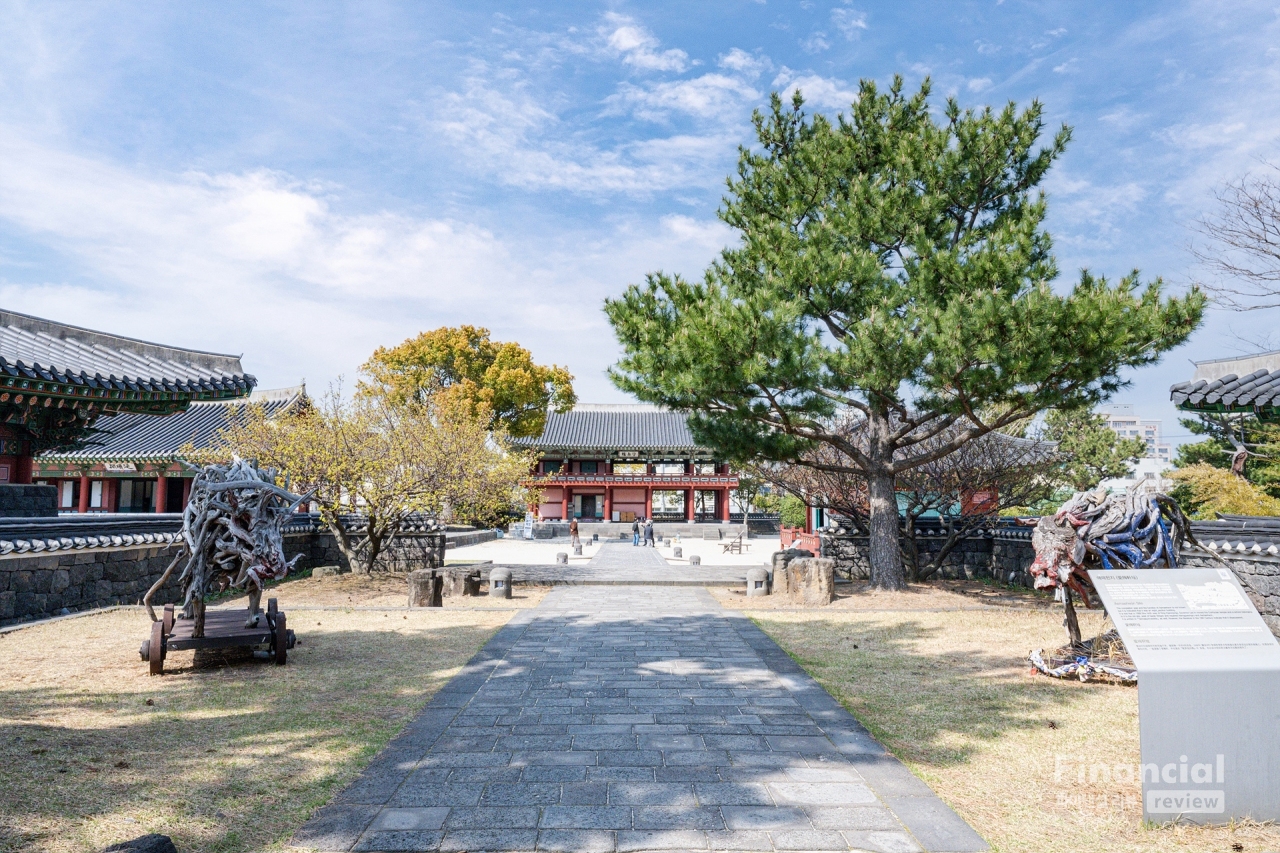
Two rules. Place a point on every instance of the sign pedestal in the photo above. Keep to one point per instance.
(1208, 693)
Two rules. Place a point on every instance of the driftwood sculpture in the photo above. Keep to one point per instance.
(1093, 530)
(232, 536)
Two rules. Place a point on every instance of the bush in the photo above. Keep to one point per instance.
(1205, 491)
(792, 511)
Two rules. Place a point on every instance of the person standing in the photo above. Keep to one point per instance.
(648, 533)
(635, 532)
(573, 532)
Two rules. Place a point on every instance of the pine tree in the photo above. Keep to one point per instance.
(892, 265)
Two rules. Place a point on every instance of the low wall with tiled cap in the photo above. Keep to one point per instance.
(1250, 546)
(50, 566)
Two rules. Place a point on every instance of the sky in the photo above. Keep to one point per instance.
(304, 182)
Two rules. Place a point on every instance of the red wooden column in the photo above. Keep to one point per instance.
(608, 503)
(564, 504)
(83, 503)
(648, 501)
(22, 469)
(162, 491)
(724, 505)
(688, 505)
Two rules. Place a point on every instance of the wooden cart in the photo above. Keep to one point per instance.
(223, 629)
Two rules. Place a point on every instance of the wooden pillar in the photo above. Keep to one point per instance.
(22, 469)
(648, 501)
(84, 495)
(608, 503)
(186, 494)
(564, 504)
(724, 506)
(689, 509)
(162, 491)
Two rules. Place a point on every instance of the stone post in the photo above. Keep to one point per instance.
(562, 559)
(757, 581)
(500, 583)
(426, 588)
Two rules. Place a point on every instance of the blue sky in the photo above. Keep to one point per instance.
(303, 182)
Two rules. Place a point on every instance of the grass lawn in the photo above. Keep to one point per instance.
(951, 694)
(223, 756)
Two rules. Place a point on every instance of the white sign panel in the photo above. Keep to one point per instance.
(1178, 619)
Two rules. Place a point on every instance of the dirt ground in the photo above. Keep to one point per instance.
(380, 589)
(938, 595)
(222, 755)
(1036, 765)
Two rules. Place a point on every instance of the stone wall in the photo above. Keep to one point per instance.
(19, 501)
(37, 585)
(970, 558)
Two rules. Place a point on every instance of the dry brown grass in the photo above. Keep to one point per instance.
(379, 589)
(941, 595)
(951, 694)
(228, 758)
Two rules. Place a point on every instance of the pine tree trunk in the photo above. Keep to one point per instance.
(886, 556)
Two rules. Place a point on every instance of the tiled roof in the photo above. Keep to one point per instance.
(138, 437)
(637, 428)
(1257, 392)
(56, 352)
(1240, 534)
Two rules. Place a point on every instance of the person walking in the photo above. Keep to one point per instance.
(573, 532)
(635, 532)
(648, 533)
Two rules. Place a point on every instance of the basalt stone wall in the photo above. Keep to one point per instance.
(970, 558)
(38, 585)
(20, 501)
(407, 553)
(33, 586)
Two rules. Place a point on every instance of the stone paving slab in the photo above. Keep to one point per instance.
(630, 718)
(624, 564)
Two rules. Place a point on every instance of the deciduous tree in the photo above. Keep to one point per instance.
(373, 463)
(465, 365)
(893, 264)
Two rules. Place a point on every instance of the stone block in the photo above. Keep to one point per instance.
(8, 600)
(426, 588)
(30, 604)
(677, 552)
(326, 571)
(695, 560)
(811, 581)
(757, 582)
(60, 579)
(462, 581)
(562, 558)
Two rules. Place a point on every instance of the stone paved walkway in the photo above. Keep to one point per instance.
(621, 563)
(634, 719)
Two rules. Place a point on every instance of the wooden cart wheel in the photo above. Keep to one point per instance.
(168, 619)
(155, 653)
(282, 639)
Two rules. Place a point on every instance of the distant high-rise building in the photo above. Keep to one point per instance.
(1125, 423)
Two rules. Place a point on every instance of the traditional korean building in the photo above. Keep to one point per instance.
(60, 385)
(620, 462)
(1242, 385)
(134, 464)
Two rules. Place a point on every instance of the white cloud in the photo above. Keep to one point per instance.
(516, 141)
(717, 97)
(819, 92)
(850, 22)
(979, 84)
(815, 43)
(1068, 67)
(744, 63)
(638, 47)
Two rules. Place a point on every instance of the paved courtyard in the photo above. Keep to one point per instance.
(633, 718)
(621, 563)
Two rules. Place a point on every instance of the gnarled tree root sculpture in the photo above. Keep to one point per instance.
(232, 536)
(1093, 530)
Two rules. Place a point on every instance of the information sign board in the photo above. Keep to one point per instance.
(1208, 692)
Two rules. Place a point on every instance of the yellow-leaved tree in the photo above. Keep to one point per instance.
(374, 462)
(495, 378)
(1206, 490)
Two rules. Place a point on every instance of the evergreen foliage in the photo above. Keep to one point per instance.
(893, 265)
(1088, 450)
